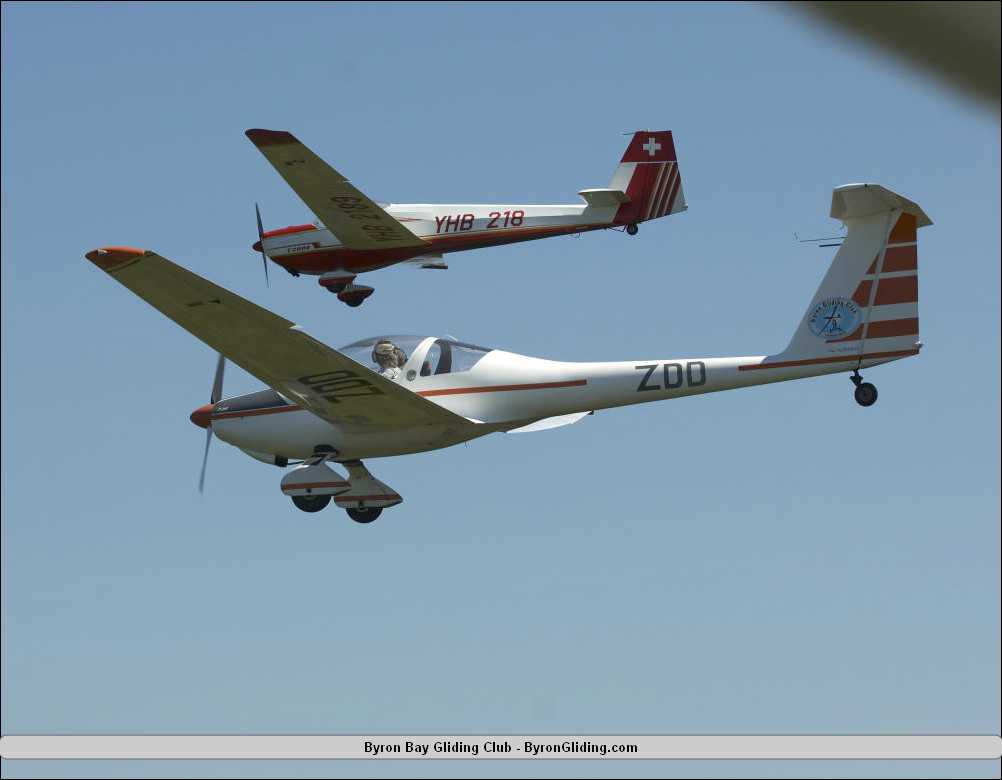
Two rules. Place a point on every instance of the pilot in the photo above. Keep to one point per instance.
(389, 357)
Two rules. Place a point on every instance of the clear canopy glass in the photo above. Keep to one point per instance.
(441, 356)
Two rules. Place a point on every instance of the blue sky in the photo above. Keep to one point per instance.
(703, 566)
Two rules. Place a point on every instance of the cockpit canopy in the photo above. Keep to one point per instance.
(437, 356)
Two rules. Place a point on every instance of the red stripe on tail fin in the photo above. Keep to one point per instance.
(649, 176)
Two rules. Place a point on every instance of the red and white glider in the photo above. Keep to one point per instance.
(354, 234)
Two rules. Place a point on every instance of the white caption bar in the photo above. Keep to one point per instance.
(617, 747)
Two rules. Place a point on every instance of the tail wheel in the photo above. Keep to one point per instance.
(311, 503)
(366, 515)
(865, 394)
(632, 229)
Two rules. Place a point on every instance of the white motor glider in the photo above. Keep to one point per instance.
(400, 394)
(355, 234)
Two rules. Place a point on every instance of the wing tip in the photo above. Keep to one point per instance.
(260, 137)
(111, 258)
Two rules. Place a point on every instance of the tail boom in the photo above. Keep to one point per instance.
(864, 313)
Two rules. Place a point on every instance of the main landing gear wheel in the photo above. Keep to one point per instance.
(311, 503)
(366, 515)
(865, 394)
(354, 294)
(632, 229)
(335, 288)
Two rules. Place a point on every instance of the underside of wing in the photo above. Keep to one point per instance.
(550, 422)
(272, 348)
(433, 260)
(357, 221)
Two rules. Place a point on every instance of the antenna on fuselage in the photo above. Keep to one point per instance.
(837, 239)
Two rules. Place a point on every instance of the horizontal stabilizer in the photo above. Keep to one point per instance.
(855, 201)
(604, 198)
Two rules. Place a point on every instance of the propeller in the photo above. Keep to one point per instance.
(260, 238)
(217, 393)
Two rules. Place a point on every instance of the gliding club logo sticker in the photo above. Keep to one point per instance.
(833, 318)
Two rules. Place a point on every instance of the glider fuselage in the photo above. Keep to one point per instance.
(309, 249)
(502, 392)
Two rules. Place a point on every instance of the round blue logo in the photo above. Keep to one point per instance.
(834, 318)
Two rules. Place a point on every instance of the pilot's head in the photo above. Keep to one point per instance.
(386, 354)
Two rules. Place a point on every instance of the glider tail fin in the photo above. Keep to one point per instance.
(649, 175)
(867, 303)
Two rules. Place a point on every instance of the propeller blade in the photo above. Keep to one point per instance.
(215, 395)
(205, 458)
(260, 237)
(217, 382)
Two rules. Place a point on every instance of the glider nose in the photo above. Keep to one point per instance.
(203, 415)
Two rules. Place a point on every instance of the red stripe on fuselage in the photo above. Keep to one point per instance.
(357, 260)
(445, 391)
(256, 412)
(286, 231)
(839, 359)
(503, 388)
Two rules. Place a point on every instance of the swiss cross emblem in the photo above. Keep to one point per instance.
(651, 147)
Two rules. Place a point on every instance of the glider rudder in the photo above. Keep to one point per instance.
(649, 175)
(866, 306)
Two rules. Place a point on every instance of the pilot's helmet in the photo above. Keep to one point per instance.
(386, 354)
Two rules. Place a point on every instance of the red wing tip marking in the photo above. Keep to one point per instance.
(270, 137)
(110, 258)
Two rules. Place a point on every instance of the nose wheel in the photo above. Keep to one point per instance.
(354, 294)
(342, 284)
(865, 393)
(313, 484)
(366, 515)
(632, 229)
(311, 503)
